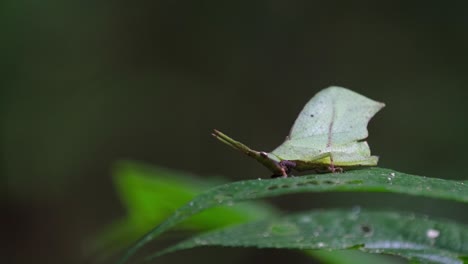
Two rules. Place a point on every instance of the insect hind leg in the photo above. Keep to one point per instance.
(332, 168)
(328, 164)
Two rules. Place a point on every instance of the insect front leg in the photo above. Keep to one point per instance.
(285, 166)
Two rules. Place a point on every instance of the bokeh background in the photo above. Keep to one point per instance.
(87, 83)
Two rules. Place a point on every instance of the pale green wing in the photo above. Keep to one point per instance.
(333, 121)
(352, 154)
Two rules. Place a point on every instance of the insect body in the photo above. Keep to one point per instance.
(328, 135)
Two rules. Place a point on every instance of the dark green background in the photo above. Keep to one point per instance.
(86, 83)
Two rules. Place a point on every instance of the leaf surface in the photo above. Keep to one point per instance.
(406, 235)
(151, 193)
(364, 180)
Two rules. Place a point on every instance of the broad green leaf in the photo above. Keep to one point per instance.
(151, 193)
(328, 132)
(351, 256)
(364, 180)
(406, 235)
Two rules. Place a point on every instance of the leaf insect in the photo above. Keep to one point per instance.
(328, 135)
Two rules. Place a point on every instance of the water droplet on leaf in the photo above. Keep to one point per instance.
(432, 233)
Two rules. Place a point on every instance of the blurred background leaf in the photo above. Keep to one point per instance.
(85, 83)
(150, 194)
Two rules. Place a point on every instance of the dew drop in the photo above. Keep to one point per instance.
(356, 210)
(432, 233)
(355, 213)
